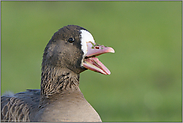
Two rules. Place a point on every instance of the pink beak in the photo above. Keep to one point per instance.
(93, 63)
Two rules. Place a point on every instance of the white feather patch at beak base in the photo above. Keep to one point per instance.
(85, 38)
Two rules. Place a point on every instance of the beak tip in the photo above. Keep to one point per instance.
(111, 50)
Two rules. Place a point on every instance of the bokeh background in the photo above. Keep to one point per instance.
(145, 84)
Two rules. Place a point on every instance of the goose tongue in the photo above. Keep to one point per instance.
(93, 63)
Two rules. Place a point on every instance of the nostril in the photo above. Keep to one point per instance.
(97, 47)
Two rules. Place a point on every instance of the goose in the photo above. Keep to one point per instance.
(70, 51)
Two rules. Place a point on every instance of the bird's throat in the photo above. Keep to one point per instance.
(58, 80)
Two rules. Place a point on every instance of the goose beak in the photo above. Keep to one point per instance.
(93, 63)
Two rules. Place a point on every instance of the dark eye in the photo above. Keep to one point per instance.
(71, 40)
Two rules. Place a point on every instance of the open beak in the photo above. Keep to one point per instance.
(93, 63)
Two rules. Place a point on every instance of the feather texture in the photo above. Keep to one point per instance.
(17, 108)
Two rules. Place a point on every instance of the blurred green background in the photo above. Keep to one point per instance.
(145, 84)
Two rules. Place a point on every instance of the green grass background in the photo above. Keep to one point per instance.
(145, 84)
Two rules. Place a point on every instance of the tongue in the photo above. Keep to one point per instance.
(94, 64)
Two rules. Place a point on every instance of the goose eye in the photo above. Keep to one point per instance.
(71, 40)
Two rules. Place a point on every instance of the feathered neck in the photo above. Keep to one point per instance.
(55, 80)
